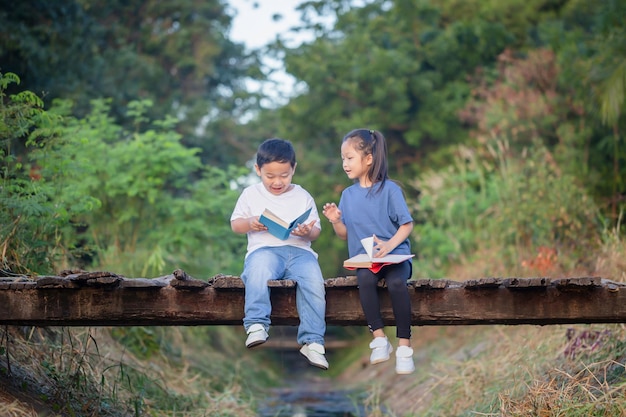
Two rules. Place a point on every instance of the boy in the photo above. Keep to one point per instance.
(269, 257)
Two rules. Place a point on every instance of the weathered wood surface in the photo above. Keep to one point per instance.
(107, 299)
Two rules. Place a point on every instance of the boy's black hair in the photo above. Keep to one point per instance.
(275, 150)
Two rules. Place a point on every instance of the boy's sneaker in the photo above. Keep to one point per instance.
(256, 335)
(381, 349)
(404, 360)
(314, 352)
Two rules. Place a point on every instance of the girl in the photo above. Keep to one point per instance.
(374, 206)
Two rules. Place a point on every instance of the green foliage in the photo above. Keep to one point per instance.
(160, 209)
(143, 342)
(399, 67)
(589, 44)
(506, 204)
(95, 194)
(608, 72)
(32, 221)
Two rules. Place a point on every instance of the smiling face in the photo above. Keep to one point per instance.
(276, 176)
(355, 163)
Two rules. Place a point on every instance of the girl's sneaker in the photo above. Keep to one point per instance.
(381, 349)
(404, 360)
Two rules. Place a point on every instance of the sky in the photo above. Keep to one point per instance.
(253, 25)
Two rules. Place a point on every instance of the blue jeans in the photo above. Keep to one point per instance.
(286, 262)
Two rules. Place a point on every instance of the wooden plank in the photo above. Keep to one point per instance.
(105, 299)
(526, 283)
(482, 283)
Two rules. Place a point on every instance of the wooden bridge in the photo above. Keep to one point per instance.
(79, 298)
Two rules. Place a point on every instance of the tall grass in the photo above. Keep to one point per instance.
(87, 372)
(492, 203)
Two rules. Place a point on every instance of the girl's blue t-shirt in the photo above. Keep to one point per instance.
(367, 212)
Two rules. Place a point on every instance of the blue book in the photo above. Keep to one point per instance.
(280, 228)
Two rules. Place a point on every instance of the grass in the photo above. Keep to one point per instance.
(16, 409)
(85, 372)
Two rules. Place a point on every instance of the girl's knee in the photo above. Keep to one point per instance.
(397, 286)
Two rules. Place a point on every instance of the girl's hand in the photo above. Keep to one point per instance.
(332, 212)
(381, 247)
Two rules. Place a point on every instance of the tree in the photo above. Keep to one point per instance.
(32, 217)
(589, 42)
(608, 76)
(150, 217)
(176, 54)
(399, 67)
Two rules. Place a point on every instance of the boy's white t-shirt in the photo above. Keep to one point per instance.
(254, 199)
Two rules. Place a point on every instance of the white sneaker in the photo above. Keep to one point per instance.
(381, 349)
(404, 360)
(256, 335)
(314, 352)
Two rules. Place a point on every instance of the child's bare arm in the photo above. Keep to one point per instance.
(384, 248)
(245, 225)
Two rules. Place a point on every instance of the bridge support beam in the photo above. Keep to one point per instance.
(106, 299)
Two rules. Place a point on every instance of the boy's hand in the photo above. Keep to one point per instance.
(332, 212)
(256, 225)
(303, 230)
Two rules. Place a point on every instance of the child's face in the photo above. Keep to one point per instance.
(355, 163)
(276, 176)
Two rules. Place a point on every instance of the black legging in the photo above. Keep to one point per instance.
(396, 277)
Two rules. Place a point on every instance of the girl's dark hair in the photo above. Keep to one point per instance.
(371, 142)
(275, 150)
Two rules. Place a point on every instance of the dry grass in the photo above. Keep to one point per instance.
(16, 409)
(84, 372)
(611, 261)
(505, 371)
(585, 393)
(10, 406)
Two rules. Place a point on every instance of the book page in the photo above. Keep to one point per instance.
(300, 220)
(368, 244)
(267, 213)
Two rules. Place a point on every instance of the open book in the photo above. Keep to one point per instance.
(280, 228)
(367, 260)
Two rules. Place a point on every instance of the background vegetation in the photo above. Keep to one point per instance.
(125, 131)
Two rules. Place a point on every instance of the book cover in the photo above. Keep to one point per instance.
(367, 260)
(279, 227)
